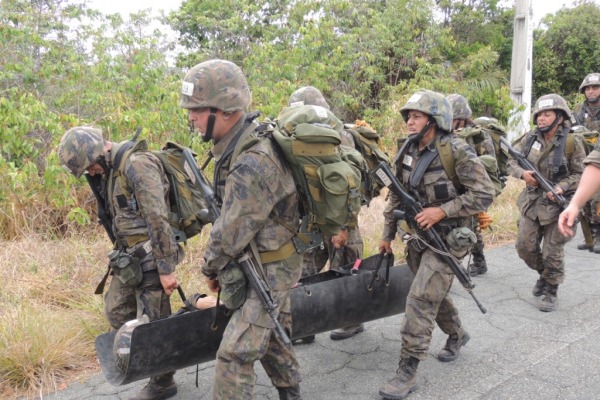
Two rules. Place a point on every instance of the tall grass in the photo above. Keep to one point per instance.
(49, 315)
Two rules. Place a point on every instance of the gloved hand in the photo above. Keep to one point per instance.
(485, 220)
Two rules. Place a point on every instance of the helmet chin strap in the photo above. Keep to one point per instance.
(594, 100)
(210, 125)
(557, 120)
(417, 137)
(102, 161)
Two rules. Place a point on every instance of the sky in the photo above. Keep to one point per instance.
(125, 7)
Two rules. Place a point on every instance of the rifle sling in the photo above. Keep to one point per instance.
(417, 174)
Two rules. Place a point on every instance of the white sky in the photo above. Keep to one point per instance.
(125, 7)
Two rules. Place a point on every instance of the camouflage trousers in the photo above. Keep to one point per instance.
(250, 336)
(428, 302)
(314, 260)
(543, 249)
(591, 210)
(124, 303)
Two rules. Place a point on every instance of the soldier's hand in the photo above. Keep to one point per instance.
(341, 239)
(213, 284)
(529, 179)
(566, 220)
(429, 217)
(386, 246)
(550, 195)
(169, 283)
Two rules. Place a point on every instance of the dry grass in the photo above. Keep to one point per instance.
(49, 315)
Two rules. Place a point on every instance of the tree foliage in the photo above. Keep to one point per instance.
(567, 50)
(64, 64)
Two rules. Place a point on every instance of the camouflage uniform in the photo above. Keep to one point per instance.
(257, 188)
(483, 144)
(141, 228)
(589, 116)
(314, 260)
(539, 242)
(593, 158)
(140, 214)
(428, 299)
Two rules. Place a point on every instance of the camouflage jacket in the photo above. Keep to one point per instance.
(587, 116)
(257, 189)
(140, 211)
(436, 189)
(479, 139)
(593, 158)
(532, 202)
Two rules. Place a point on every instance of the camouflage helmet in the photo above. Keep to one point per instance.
(308, 96)
(460, 106)
(216, 84)
(590, 80)
(551, 102)
(430, 103)
(79, 148)
(122, 342)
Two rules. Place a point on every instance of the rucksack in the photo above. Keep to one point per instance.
(327, 176)
(449, 163)
(589, 138)
(496, 131)
(185, 196)
(366, 142)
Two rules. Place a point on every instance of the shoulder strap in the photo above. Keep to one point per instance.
(570, 146)
(448, 161)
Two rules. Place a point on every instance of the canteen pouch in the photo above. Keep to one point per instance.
(234, 285)
(126, 267)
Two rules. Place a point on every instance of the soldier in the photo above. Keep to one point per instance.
(259, 209)
(342, 249)
(546, 147)
(428, 116)
(588, 115)
(145, 244)
(483, 144)
(588, 186)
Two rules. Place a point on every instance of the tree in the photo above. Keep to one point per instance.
(567, 50)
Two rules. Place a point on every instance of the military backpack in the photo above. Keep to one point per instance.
(185, 196)
(327, 175)
(366, 141)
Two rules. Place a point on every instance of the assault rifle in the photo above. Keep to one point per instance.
(544, 183)
(104, 217)
(411, 208)
(246, 259)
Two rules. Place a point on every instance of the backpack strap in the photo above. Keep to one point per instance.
(448, 162)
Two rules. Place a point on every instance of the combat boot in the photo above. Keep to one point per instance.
(345, 333)
(596, 248)
(550, 300)
(478, 266)
(539, 288)
(451, 350)
(585, 246)
(404, 382)
(158, 388)
(289, 393)
(305, 340)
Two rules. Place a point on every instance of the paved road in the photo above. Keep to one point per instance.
(515, 352)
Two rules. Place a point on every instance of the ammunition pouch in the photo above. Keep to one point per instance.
(234, 286)
(126, 267)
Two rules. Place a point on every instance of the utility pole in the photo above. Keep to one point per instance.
(521, 69)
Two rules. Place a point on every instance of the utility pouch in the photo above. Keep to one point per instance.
(126, 267)
(460, 241)
(234, 285)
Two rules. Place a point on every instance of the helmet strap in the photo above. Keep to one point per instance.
(559, 118)
(102, 161)
(210, 125)
(423, 132)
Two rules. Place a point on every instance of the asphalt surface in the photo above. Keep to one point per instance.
(515, 351)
